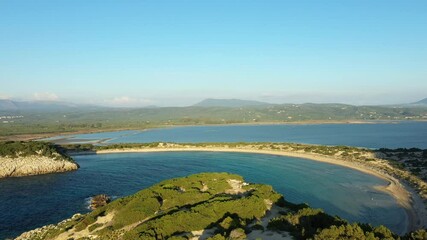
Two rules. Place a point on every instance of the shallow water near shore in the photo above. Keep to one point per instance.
(30, 202)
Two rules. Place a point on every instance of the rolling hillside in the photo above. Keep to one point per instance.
(75, 118)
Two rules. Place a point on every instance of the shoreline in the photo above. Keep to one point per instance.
(404, 195)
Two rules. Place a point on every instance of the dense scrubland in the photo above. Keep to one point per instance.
(16, 149)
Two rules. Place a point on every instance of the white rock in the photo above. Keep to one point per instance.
(33, 165)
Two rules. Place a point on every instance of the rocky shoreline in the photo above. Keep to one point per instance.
(40, 233)
(34, 165)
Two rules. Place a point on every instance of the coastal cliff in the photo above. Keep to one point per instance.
(19, 159)
(33, 165)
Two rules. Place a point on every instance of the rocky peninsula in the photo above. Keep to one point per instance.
(19, 159)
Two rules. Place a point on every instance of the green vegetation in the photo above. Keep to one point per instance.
(103, 119)
(413, 159)
(16, 149)
(175, 207)
(217, 202)
(307, 223)
(304, 223)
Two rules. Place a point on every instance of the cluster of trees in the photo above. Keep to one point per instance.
(412, 159)
(18, 148)
(304, 222)
(77, 147)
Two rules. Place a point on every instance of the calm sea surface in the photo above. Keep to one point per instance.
(404, 134)
(30, 202)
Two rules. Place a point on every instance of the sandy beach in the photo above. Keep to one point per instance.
(404, 194)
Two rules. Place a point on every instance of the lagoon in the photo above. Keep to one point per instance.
(369, 135)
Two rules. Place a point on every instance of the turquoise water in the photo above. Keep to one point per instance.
(31, 202)
(387, 135)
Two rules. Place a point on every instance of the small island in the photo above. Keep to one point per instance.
(214, 206)
(19, 159)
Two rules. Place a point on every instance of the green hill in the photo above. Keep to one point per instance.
(212, 205)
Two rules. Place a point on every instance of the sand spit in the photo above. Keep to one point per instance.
(404, 194)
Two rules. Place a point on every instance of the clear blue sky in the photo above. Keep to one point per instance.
(179, 52)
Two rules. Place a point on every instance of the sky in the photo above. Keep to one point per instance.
(178, 52)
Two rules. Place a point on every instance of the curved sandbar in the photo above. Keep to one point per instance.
(404, 194)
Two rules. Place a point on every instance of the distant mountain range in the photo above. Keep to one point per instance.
(211, 102)
(42, 106)
(47, 117)
(7, 105)
(421, 102)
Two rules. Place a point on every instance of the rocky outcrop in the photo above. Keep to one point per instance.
(41, 233)
(34, 165)
(99, 201)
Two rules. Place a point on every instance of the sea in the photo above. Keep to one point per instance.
(30, 202)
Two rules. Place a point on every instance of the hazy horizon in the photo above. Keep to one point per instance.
(127, 104)
(172, 53)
